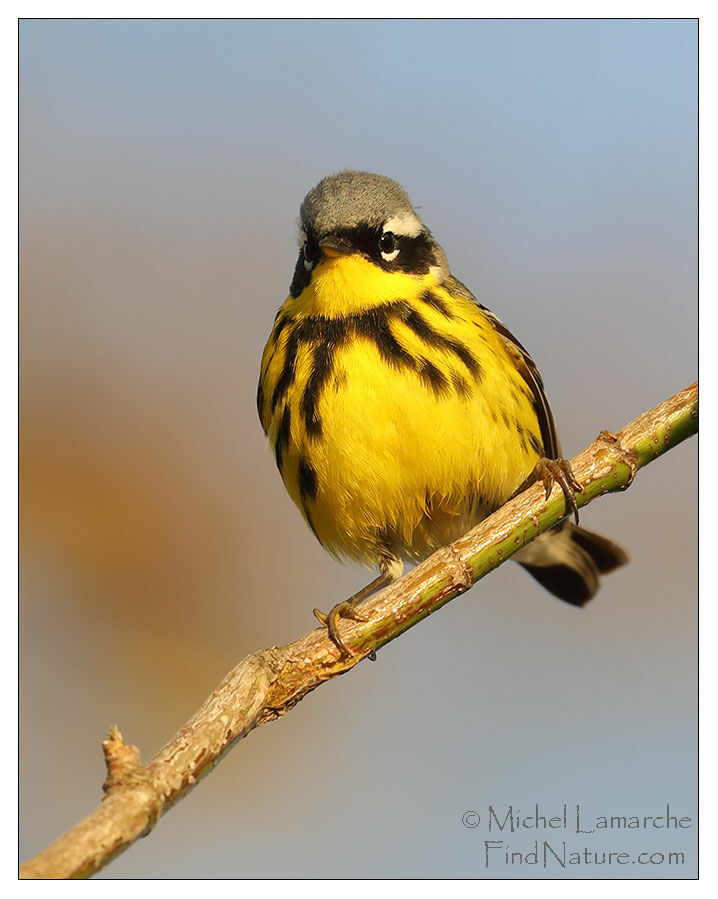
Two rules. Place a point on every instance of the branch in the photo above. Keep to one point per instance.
(268, 683)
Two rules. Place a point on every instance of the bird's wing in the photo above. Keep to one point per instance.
(526, 368)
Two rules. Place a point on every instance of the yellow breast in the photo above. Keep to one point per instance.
(397, 417)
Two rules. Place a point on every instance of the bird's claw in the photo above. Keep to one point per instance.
(555, 471)
(344, 609)
(558, 471)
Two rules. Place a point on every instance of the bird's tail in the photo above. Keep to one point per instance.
(569, 560)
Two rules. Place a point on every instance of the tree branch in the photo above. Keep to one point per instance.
(268, 683)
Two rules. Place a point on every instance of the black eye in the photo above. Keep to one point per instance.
(309, 251)
(387, 242)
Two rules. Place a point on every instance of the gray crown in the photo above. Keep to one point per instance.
(353, 198)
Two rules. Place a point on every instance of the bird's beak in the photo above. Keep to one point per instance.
(335, 246)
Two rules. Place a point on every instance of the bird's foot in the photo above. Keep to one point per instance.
(346, 609)
(555, 471)
(390, 569)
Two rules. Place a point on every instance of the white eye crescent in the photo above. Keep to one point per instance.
(389, 246)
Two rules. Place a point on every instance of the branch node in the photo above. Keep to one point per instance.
(628, 457)
(125, 772)
(461, 573)
(124, 765)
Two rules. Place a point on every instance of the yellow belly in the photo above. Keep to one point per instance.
(396, 431)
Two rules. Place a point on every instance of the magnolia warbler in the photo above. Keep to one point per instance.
(400, 410)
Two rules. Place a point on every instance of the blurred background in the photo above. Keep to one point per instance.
(162, 167)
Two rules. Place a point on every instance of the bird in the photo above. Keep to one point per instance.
(401, 411)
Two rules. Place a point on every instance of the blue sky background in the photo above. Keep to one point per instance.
(162, 167)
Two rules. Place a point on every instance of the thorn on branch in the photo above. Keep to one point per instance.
(125, 771)
(123, 762)
(124, 765)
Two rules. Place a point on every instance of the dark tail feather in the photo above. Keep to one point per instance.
(567, 561)
(606, 554)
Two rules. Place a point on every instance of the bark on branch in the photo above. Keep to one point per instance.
(267, 684)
